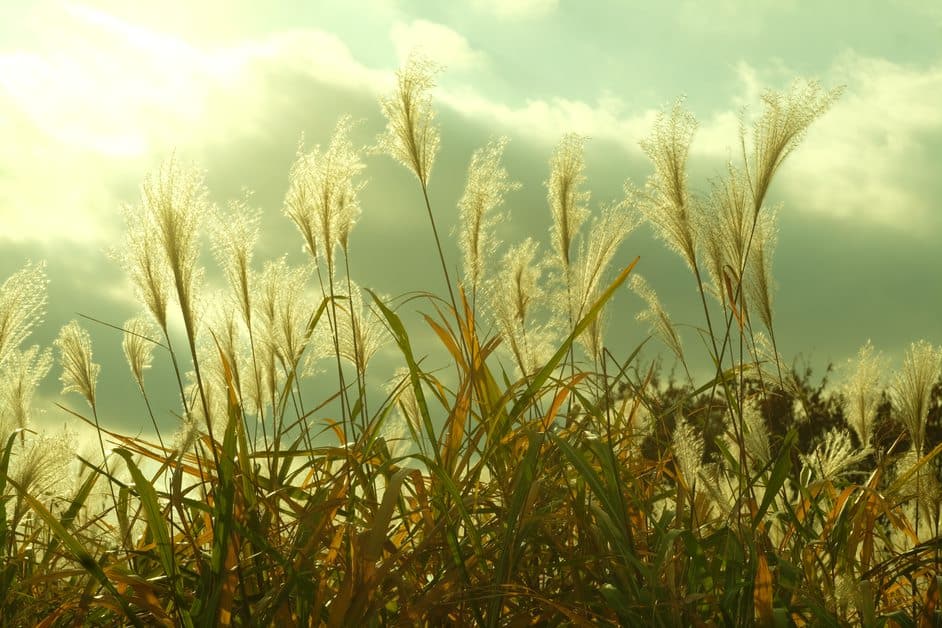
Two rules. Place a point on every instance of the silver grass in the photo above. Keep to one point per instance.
(756, 435)
(142, 259)
(402, 395)
(360, 331)
(19, 378)
(322, 198)
(656, 316)
(567, 201)
(233, 236)
(22, 306)
(831, 458)
(138, 345)
(79, 373)
(174, 202)
(226, 336)
(688, 450)
(912, 389)
(759, 282)
(487, 183)
(606, 233)
(411, 136)
(284, 310)
(667, 205)
(214, 389)
(41, 467)
(719, 486)
(779, 129)
(723, 230)
(861, 393)
(512, 294)
(921, 488)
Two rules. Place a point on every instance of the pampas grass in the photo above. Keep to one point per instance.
(538, 479)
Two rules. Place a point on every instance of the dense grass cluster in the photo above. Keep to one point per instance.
(535, 479)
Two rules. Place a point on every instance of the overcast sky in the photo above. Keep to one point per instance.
(95, 95)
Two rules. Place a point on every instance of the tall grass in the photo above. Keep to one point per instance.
(539, 478)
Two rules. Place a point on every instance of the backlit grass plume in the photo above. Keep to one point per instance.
(912, 389)
(487, 184)
(173, 205)
(20, 375)
(539, 484)
(322, 198)
(861, 397)
(514, 295)
(79, 373)
(411, 136)
(667, 205)
(22, 306)
(567, 201)
(234, 235)
(779, 129)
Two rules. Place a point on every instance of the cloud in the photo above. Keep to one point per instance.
(437, 41)
(546, 120)
(96, 102)
(868, 156)
(516, 9)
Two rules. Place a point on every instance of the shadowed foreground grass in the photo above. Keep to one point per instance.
(536, 479)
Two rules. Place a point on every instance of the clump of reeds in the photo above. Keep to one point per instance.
(537, 478)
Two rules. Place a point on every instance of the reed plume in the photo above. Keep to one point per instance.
(19, 377)
(79, 373)
(23, 300)
(487, 184)
(411, 136)
(667, 204)
(912, 389)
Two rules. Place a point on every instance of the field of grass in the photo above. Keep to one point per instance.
(537, 480)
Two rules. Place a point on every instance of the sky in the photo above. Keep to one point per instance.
(95, 95)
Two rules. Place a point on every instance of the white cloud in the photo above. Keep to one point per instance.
(516, 9)
(547, 120)
(865, 158)
(437, 41)
(862, 158)
(100, 97)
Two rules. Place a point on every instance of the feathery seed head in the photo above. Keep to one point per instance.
(780, 128)
(656, 315)
(688, 450)
(411, 136)
(606, 233)
(142, 259)
(567, 201)
(667, 205)
(41, 467)
(284, 310)
(162, 242)
(19, 377)
(322, 198)
(912, 389)
(22, 306)
(488, 182)
(512, 294)
(140, 336)
(833, 455)
(723, 229)
(361, 332)
(79, 373)
(233, 237)
(861, 393)
(756, 435)
(759, 282)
